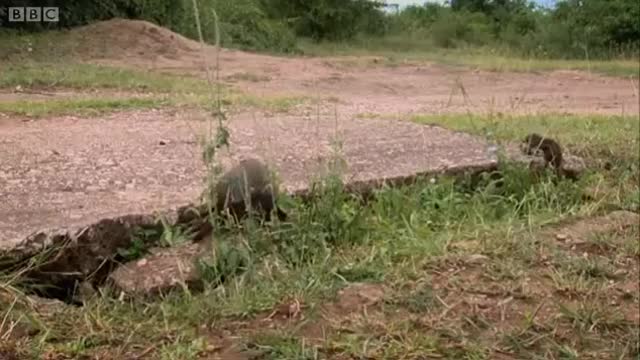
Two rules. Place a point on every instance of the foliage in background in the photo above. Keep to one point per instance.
(584, 29)
(573, 29)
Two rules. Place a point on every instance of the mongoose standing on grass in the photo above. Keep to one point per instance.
(551, 152)
(248, 183)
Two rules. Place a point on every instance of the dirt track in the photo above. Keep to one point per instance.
(362, 84)
(61, 171)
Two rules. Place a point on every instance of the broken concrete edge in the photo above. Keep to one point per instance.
(61, 238)
(366, 188)
(83, 248)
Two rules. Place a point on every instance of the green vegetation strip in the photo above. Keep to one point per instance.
(87, 107)
(88, 76)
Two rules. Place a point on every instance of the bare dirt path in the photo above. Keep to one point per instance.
(437, 89)
(65, 171)
(365, 84)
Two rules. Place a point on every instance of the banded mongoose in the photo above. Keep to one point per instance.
(551, 152)
(250, 177)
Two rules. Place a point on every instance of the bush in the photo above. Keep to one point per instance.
(453, 28)
(575, 28)
(243, 23)
(328, 19)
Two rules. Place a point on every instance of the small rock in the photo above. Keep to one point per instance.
(45, 306)
(162, 142)
(360, 294)
(620, 273)
(561, 236)
(477, 259)
(165, 270)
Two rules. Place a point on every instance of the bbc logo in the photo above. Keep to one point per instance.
(33, 14)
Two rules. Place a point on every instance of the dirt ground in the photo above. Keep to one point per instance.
(62, 170)
(367, 84)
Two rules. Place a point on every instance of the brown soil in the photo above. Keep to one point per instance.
(361, 86)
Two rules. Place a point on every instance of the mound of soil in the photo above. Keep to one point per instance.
(121, 38)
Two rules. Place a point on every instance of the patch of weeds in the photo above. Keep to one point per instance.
(87, 76)
(360, 272)
(145, 238)
(368, 116)
(88, 107)
(81, 346)
(467, 351)
(600, 243)
(530, 339)
(226, 260)
(392, 341)
(283, 346)
(174, 235)
(275, 104)
(419, 301)
(621, 241)
(631, 202)
(573, 284)
(247, 76)
(588, 268)
(330, 218)
(138, 249)
(505, 270)
(590, 316)
(181, 349)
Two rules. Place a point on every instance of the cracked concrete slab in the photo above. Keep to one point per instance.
(68, 172)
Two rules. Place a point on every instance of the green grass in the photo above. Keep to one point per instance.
(416, 241)
(400, 49)
(87, 76)
(589, 136)
(85, 107)
(92, 106)
(602, 141)
(160, 90)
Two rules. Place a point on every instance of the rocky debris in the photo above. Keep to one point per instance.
(476, 259)
(166, 269)
(358, 295)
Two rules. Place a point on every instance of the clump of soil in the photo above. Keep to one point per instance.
(121, 38)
